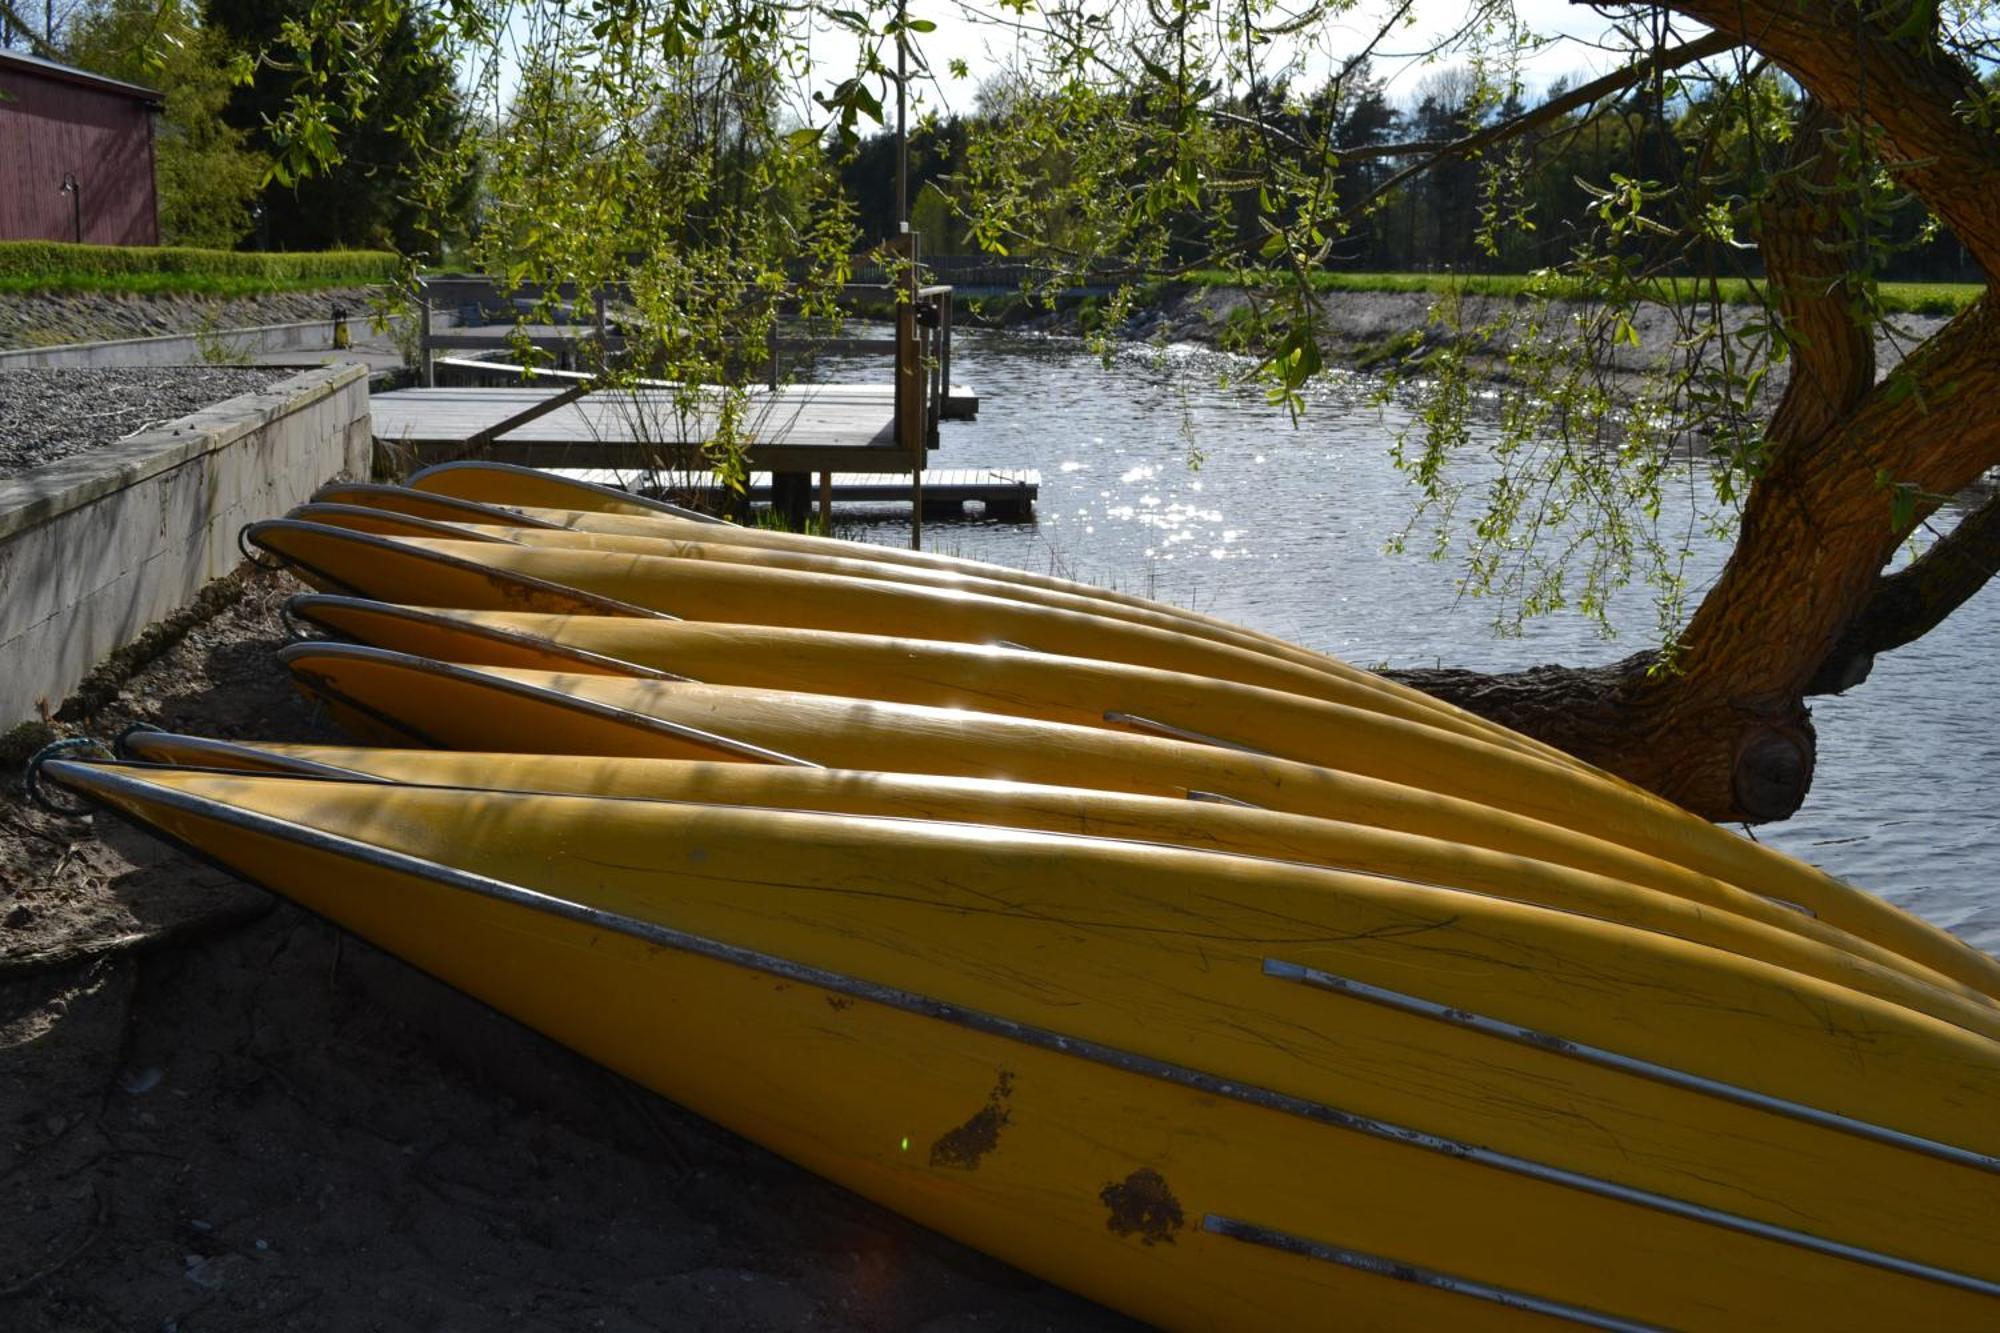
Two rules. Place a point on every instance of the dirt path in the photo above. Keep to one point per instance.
(219, 1113)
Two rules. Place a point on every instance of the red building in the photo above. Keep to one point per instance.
(76, 155)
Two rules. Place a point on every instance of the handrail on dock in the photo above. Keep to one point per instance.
(934, 313)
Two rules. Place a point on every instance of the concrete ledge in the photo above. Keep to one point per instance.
(188, 349)
(178, 349)
(95, 547)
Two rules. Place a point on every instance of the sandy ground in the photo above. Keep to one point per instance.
(219, 1113)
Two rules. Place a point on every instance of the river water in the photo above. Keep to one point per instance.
(1161, 478)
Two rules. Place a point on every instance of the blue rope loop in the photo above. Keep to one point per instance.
(121, 743)
(297, 630)
(38, 792)
(250, 555)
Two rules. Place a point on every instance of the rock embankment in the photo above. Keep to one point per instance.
(47, 320)
(1380, 331)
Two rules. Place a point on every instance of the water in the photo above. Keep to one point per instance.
(1285, 530)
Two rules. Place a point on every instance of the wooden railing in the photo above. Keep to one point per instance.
(479, 303)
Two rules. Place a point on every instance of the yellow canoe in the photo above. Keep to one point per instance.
(1796, 944)
(544, 498)
(1211, 1091)
(686, 541)
(564, 503)
(1083, 691)
(497, 576)
(1479, 800)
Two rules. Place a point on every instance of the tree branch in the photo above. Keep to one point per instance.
(21, 25)
(1910, 88)
(1915, 600)
(1714, 44)
(1800, 237)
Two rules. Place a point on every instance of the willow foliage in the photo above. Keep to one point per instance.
(691, 146)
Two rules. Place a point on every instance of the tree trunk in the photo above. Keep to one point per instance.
(1801, 605)
(1724, 731)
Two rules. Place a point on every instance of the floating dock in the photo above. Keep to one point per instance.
(795, 428)
(1006, 494)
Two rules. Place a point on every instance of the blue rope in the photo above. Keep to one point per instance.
(31, 779)
(119, 746)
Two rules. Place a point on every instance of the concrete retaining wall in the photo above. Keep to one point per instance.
(184, 349)
(97, 546)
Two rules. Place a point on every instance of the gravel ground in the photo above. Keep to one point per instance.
(31, 320)
(51, 414)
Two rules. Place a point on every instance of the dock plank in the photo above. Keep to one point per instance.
(960, 404)
(796, 428)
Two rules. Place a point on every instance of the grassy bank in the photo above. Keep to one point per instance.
(1915, 298)
(50, 267)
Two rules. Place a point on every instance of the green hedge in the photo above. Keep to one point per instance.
(28, 266)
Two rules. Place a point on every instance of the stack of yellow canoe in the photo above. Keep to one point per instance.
(1208, 976)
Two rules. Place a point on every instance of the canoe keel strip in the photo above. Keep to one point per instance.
(1284, 1241)
(137, 797)
(1493, 1027)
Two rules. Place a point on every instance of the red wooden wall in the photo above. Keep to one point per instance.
(51, 125)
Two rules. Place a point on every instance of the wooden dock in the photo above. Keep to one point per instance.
(1007, 494)
(796, 428)
(960, 403)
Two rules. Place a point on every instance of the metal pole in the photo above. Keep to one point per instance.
(908, 379)
(902, 112)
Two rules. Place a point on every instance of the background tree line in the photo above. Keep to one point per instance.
(228, 70)
(1444, 218)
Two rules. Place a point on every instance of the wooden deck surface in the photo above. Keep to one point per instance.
(802, 428)
(960, 402)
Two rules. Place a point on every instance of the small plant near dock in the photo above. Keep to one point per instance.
(213, 344)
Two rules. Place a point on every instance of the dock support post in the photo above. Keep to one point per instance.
(791, 498)
(910, 433)
(826, 504)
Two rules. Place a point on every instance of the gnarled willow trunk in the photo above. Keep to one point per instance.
(1802, 605)
(1726, 732)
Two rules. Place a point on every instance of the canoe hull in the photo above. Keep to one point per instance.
(1098, 1164)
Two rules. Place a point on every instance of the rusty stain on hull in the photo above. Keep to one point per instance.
(963, 1147)
(1141, 1205)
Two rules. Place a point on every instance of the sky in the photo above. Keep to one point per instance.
(975, 32)
(971, 31)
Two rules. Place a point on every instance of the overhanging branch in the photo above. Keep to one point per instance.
(22, 26)
(1916, 599)
(1701, 48)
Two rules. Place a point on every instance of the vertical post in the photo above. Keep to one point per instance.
(909, 354)
(826, 504)
(910, 412)
(425, 364)
(943, 360)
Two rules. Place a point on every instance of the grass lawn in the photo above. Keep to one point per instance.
(1920, 298)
